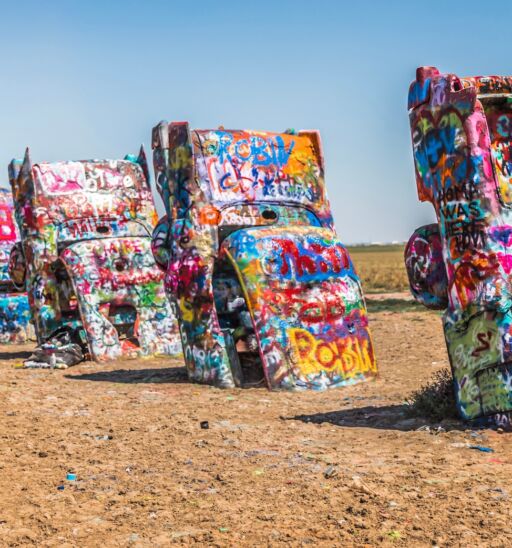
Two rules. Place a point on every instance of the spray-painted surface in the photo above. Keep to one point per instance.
(86, 236)
(264, 290)
(14, 310)
(462, 143)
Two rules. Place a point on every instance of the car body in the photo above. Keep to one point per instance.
(86, 255)
(15, 324)
(462, 145)
(265, 293)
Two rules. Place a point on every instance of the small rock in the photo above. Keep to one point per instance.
(42, 454)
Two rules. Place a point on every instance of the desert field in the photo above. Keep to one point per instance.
(380, 267)
(347, 467)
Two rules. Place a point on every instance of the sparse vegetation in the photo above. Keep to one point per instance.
(435, 400)
(380, 267)
(394, 305)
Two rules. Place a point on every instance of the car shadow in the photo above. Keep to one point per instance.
(15, 355)
(132, 376)
(387, 417)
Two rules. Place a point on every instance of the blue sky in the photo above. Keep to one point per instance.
(86, 79)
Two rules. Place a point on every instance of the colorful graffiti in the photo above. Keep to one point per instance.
(461, 134)
(14, 310)
(264, 291)
(86, 236)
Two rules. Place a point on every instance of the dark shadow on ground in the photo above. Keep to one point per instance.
(393, 305)
(387, 417)
(162, 375)
(15, 355)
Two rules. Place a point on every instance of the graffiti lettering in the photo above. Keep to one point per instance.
(290, 259)
(256, 149)
(349, 356)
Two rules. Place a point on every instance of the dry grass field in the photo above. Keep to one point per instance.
(380, 267)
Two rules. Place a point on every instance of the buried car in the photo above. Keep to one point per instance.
(15, 324)
(264, 291)
(462, 146)
(86, 256)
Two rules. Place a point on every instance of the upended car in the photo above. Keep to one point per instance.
(15, 326)
(264, 292)
(85, 257)
(462, 144)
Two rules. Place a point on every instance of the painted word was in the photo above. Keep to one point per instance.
(461, 210)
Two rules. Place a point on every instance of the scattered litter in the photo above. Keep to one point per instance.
(359, 485)
(71, 477)
(330, 472)
(479, 435)
(433, 430)
(458, 444)
(60, 488)
(105, 437)
(482, 448)
(230, 398)
(223, 529)
(258, 472)
(204, 425)
(59, 352)
(502, 494)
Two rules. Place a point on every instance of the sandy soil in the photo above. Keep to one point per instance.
(346, 467)
(402, 295)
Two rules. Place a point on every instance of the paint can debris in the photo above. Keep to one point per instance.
(330, 472)
(482, 448)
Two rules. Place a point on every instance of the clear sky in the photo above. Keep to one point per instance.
(85, 79)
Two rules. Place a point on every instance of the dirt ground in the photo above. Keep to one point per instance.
(346, 467)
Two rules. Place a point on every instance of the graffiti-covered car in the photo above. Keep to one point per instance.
(86, 255)
(14, 309)
(462, 144)
(265, 292)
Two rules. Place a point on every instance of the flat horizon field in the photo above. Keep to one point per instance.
(380, 267)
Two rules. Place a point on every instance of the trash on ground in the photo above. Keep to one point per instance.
(482, 448)
(59, 352)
